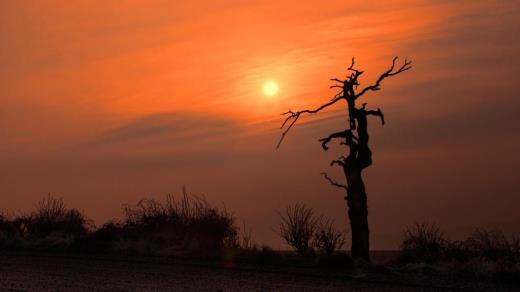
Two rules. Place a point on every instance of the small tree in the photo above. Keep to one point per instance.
(355, 138)
(297, 228)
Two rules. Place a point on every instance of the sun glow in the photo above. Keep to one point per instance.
(270, 88)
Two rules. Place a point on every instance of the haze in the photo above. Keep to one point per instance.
(107, 102)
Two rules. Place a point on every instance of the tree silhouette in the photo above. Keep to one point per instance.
(355, 137)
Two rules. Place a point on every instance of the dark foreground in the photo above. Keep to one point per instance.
(82, 273)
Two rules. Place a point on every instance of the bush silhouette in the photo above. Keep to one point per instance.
(190, 224)
(427, 243)
(305, 232)
(327, 239)
(489, 244)
(422, 243)
(297, 228)
(52, 216)
(9, 229)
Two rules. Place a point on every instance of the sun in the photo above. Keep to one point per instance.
(270, 88)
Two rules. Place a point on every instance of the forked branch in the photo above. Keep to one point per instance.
(292, 117)
(407, 65)
(351, 67)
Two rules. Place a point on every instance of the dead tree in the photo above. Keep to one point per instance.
(355, 137)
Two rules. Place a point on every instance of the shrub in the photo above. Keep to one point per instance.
(246, 241)
(8, 228)
(102, 240)
(457, 250)
(263, 255)
(426, 243)
(52, 216)
(489, 245)
(327, 239)
(422, 243)
(190, 223)
(297, 228)
(514, 256)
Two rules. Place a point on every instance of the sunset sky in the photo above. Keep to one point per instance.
(107, 102)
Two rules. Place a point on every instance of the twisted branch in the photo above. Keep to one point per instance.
(332, 182)
(377, 113)
(325, 141)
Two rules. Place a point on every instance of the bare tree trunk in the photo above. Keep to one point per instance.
(358, 214)
(360, 158)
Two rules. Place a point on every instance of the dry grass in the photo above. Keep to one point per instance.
(190, 223)
(327, 239)
(297, 227)
(484, 252)
(307, 233)
(187, 225)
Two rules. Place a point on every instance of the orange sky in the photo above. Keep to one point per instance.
(105, 103)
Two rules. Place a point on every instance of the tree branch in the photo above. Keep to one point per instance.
(340, 161)
(377, 113)
(390, 72)
(351, 68)
(325, 141)
(332, 182)
(293, 117)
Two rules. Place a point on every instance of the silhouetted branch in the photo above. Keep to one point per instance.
(325, 141)
(390, 72)
(377, 113)
(340, 161)
(339, 94)
(332, 182)
(293, 117)
(351, 68)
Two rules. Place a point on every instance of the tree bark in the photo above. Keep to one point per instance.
(358, 214)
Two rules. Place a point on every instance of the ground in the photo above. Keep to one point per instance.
(87, 273)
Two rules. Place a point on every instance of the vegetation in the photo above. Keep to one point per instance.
(426, 243)
(52, 223)
(297, 228)
(189, 225)
(327, 239)
(306, 233)
(422, 242)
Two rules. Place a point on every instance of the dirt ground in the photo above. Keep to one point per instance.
(73, 273)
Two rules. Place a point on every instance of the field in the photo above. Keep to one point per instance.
(33, 272)
(72, 273)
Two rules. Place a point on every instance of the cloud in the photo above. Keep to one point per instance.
(172, 126)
